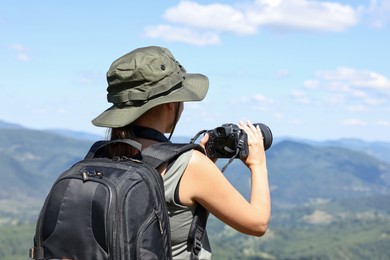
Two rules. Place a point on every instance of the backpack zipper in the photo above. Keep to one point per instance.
(97, 176)
(85, 175)
(159, 221)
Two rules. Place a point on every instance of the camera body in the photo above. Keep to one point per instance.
(229, 141)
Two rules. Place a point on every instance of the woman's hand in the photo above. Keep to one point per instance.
(256, 154)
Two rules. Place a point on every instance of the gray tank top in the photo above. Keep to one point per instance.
(180, 216)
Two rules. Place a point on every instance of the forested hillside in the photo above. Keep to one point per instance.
(328, 201)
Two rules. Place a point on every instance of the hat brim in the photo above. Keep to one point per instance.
(194, 88)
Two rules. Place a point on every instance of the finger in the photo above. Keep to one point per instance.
(203, 140)
(259, 130)
(251, 126)
(242, 125)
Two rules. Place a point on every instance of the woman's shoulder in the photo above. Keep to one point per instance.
(198, 156)
(199, 163)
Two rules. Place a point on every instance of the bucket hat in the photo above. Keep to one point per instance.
(143, 79)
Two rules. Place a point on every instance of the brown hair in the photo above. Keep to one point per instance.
(126, 132)
(120, 149)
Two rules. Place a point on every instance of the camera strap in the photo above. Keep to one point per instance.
(239, 147)
(230, 160)
(197, 136)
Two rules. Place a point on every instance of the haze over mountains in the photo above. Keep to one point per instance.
(299, 170)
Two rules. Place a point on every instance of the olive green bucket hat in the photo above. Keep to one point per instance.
(143, 79)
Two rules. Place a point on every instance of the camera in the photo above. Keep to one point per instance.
(228, 141)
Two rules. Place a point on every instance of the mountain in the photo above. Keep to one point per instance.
(329, 199)
(301, 173)
(378, 149)
(298, 172)
(347, 229)
(76, 134)
(31, 160)
(5, 125)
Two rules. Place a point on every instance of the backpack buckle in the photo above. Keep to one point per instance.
(36, 253)
(197, 246)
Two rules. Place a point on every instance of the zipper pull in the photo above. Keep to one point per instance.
(86, 175)
(159, 221)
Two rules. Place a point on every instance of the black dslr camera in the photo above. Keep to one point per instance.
(228, 141)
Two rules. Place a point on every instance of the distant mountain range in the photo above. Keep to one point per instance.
(5, 125)
(62, 132)
(379, 149)
(329, 199)
(300, 171)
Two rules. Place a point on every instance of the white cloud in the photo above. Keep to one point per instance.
(385, 123)
(182, 34)
(303, 15)
(357, 108)
(374, 101)
(346, 84)
(253, 99)
(356, 78)
(21, 52)
(334, 99)
(256, 102)
(185, 20)
(300, 97)
(18, 48)
(262, 99)
(377, 13)
(282, 73)
(217, 17)
(354, 122)
(311, 84)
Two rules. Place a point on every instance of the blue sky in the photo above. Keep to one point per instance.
(318, 70)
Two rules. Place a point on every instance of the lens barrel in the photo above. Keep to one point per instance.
(267, 135)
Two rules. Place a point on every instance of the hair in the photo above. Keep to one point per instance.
(126, 132)
(121, 149)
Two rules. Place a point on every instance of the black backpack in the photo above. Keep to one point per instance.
(113, 209)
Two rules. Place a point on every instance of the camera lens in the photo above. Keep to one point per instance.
(267, 135)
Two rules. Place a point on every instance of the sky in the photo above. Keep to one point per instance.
(317, 70)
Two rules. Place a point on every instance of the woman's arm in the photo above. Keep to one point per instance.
(203, 182)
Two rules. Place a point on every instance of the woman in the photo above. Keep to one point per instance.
(147, 88)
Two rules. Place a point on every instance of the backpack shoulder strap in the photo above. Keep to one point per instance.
(99, 146)
(157, 154)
